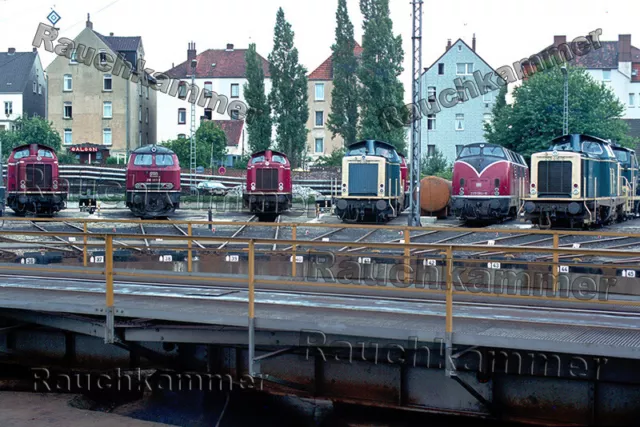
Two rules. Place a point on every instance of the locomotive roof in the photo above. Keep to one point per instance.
(376, 142)
(23, 146)
(619, 147)
(259, 153)
(578, 138)
(149, 149)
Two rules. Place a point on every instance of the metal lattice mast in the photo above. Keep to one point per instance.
(565, 124)
(414, 217)
(192, 162)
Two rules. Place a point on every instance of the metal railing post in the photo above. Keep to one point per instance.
(449, 368)
(190, 245)
(294, 233)
(108, 272)
(251, 274)
(84, 250)
(407, 256)
(556, 267)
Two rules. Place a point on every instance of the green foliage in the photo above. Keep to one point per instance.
(112, 160)
(65, 158)
(333, 159)
(259, 113)
(381, 65)
(242, 162)
(181, 147)
(436, 165)
(536, 115)
(30, 130)
(208, 136)
(343, 118)
(288, 97)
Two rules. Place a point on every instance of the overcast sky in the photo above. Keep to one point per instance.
(505, 31)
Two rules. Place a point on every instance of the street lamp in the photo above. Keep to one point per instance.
(565, 120)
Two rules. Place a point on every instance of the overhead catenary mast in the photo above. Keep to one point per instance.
(414, 216)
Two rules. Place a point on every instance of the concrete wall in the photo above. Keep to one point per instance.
(35, 103)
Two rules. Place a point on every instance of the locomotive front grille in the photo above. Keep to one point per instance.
(40, 176)
(554, 179)
(266, 179)
(363, 179)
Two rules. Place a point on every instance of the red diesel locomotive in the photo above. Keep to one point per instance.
(33, 181)
(489, 183)
(153, 182)
(268, 188)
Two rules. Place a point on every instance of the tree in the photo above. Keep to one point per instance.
(288, 97)
(209, 137)
(259, 113)
(536, 115)
(343, 118)
(436, 165)
(333, 159)
(30, 130)
(381, 64)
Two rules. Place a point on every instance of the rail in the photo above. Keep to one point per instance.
(446, 257)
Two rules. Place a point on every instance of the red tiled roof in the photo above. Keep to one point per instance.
(606, 57)
(325, 70)
(233, 130)
(229, 64)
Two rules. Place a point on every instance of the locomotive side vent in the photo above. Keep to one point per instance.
(554, 179)
(266, 179)
(363, 179)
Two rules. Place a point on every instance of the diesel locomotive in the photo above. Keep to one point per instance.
(33, 181)
(373, 188)
(489, 182)
(268, 188)
(578, 181)
(630, 177)
(153, 182)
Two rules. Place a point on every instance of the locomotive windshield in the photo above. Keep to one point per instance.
(45, 153)
(278, 159)
(22, 153)
(476, 150)
(592, 147)
(258, 159)
(143, 160)
(164, 160)
(357, 151)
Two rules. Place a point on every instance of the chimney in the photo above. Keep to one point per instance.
(12, 50)
(624, 48)
(229, 47)
(448, 45)
(89, 23)
(191, 53)
(558, 40)
(473, 42)
(35, 49)
(110, 34)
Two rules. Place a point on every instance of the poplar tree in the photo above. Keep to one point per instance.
(259, 113)
(379, 71)
(344, 96)
(288, 97)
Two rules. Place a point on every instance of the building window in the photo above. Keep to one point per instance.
(39, 89)
(182, 136)
(319, 91)
(208, 90)
(431, 94)
(319, 148)
(431, 122)
(140, 113)
(234, 115)
(106, 136)
(107, 111)
(487, 97)
(68, 110)
(182, 116)
(235, 90)
(606, 75)
(459, 121)
(103, 57)
(486, 117)
(35, 87)
(147, 116)
(459, 48)
(441, 69)
(8, 107)
(107, 83)
(464, 69)
(74, 57)
(182, 90)
(68, 137)
(319, 118)
(632, 99)
(208, 113)
(431, 150)
(68, 83)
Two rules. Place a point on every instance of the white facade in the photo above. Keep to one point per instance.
(170, 125)
(14, 108)
(619, 80)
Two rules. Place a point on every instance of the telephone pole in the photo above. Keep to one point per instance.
(414, 217)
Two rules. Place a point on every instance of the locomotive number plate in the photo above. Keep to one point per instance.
(97, 259)
(232, 258)
(166, 258)
(299, 259)
(478, 184)
(563, 268)
(493, 265)
(429, 262)
(491, 242)
(28, 261)
(364, 260)
(629, 273)
(153, 174)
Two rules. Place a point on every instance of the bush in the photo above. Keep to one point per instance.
(112, 160)
(436, 165)
(67, 159)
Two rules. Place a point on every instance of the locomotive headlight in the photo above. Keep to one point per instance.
(280, 186)
(167, 185)
(139, 185)
(381, 188)
(576, 191)
(496, 191)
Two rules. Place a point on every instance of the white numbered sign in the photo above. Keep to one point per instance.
(564, 268)
(299, 259)
(491, 243)
(364, 260)
(576, 246)
(629, 273)
(97, 259)
(401, 241)
(28, 261)
(166, 258)
(158, 240)
(325, 239)
(430, 262)
(494, 265)
(72, 239)
(232, 258)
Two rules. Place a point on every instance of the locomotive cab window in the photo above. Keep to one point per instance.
(278, 159)
(494, 152)
(143, 160)
(164, 160)
(592, 148)
(470, 151)
(45, 153)
(258, 159)
(357, 151)
(20, 154)
(562, 147)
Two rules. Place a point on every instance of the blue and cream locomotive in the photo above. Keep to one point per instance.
(629, 176)
(372, 188)
(576, 182)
